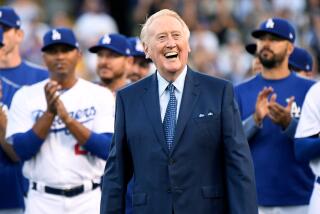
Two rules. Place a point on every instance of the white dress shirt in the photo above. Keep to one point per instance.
(164, 94)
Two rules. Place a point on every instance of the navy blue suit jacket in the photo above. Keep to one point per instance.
(208, 170)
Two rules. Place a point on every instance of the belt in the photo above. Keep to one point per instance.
(65, 192)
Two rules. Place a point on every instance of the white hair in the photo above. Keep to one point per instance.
(164, 12)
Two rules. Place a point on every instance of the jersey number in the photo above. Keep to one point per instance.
(79, 150)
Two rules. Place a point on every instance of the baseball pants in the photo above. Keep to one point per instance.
(45, 203)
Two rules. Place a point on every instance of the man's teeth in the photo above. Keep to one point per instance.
(171, 54)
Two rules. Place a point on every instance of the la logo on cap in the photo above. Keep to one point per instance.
(290, 36)
(270, 23)
(106, 39)
(308, 67)
(55, 35)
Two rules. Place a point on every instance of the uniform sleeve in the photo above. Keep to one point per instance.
(20, 118)
(309, 123)
(307, 141)
(238, 161)
(104, 120)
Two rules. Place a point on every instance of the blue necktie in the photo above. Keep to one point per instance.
(169, 121)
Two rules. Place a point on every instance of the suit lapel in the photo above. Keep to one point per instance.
(189, 98)
(152, 107)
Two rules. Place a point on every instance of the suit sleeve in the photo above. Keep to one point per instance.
(239, 167)
(118, 170)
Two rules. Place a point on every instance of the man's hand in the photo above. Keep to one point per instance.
(262, 105)
(279, 114)
(62, 112)
(7, 148)
(52, 94)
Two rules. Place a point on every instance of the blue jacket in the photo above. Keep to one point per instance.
(208, 170)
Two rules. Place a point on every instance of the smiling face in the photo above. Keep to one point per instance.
(111, 65)
(167, 45)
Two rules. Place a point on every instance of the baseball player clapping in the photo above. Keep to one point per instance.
(62, 128)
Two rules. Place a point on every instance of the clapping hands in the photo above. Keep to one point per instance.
(279, 114)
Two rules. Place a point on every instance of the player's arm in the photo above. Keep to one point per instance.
(95, 143)
(250, 126)
(308, 148)
(307, 136)
(253, 123)
(24, 145)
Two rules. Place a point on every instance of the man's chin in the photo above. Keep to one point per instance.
(106, 80)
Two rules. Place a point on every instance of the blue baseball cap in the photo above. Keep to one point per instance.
(115, 42)
(278, 27)
(9, 17)
(136, 47)
(64, 36)
(251, 48)
(300, 59)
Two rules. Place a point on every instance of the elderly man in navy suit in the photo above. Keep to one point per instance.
(179, 133)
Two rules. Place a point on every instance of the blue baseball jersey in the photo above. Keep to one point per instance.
(281, 180)
(12, 184)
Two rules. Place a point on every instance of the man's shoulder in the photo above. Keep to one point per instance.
(253, 80)
(304, 80)
(214, 84)
(35, 67)
(31, 90)
(34, 87)
(91, 87)
(207, 78)
(314, 90)
(138, 86)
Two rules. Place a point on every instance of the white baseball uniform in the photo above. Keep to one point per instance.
(61, 163)
(309, 125)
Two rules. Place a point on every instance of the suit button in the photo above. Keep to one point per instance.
(169, 190)
(171, 161)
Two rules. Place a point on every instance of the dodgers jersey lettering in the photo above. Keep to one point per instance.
(61, 162)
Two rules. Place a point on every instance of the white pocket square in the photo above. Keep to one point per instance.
(201, 115)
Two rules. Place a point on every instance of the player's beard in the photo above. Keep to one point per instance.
(274, 61)
(107, 80)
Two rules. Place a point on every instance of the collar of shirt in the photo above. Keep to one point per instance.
(178, 83)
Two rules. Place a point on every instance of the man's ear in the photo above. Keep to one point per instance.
(146, 50)
(129, 62)
(290, 48)
(20, 34)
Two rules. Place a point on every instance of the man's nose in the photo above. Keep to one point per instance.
(60, 55)
(171, 42)
(103, 59)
